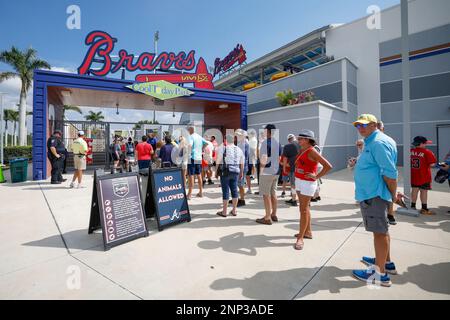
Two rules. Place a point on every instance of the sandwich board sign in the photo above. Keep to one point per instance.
(167, 197)
(117, 208)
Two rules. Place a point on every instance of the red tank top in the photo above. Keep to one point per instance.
(304, 165)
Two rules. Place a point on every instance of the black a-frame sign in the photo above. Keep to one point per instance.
(117, 208)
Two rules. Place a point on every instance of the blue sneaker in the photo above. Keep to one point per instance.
(389, 266)
(372, 277)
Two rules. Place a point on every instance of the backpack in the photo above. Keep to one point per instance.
(130, 148)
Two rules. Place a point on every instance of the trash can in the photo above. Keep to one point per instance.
(19, 169)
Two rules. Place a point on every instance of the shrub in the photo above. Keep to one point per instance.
(17, 152)
(285, 97)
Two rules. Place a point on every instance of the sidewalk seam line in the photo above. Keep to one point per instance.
(111, 280)
(329, 258)
(70, 254)
(54, 219)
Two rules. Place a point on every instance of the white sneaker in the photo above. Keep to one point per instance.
(72, 185)
(81, 186)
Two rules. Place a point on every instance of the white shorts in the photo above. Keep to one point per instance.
(79, 163)
(306, 188)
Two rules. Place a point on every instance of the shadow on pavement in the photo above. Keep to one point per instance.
(289, 281)
(246, 245)
(430, 278)
(335, 207)
(217, 222)
(75, 240)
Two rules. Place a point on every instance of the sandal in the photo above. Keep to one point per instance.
(274, 218)
(263, 221)
(220, 213)
(198, 195)
(233, 214)
(299, 246)
(304, 237)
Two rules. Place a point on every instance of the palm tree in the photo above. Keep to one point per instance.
(14, 118)
(7, 117)
(29, 113)
(68, 107)
(94, 116)
(24, 63)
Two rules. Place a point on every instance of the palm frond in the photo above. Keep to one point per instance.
(7, 75)
(67, 107)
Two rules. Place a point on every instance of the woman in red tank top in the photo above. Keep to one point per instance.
(306, 177)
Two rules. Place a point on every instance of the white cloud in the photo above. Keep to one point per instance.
(62, 69)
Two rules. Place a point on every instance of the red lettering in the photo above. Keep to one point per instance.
(101, 44)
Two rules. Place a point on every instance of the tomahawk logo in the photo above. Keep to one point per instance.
(373, 282)
(175, 215)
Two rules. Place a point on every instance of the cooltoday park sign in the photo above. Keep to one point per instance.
(162, 90)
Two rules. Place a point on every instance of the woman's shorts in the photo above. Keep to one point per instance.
(306, 188)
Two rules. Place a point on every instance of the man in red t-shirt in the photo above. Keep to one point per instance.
(144, 152)
(422, 160)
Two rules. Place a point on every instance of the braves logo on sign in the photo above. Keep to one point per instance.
(121, 188)
(101, 47)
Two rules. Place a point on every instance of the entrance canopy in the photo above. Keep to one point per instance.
(52, 90)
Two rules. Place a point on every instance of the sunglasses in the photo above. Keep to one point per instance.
(361, 125)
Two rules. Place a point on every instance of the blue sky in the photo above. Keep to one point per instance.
(211, 28)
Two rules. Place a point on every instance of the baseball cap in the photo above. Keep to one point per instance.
(81, 133)
(290, 136)
(365, 119)
(305, 133)
(420, 139)
(240, 132)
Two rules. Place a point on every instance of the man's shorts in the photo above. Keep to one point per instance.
(374, 212)
(306, 188)
(425, 186)
(250, 169)
(268, 185)
(79, 162)
(194, 168)
(285, 178)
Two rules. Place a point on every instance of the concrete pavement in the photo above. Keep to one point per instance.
(46, 252)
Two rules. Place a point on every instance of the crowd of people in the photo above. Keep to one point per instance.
(298, 166)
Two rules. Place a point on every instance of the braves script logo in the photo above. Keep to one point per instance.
(121, 188)
(237, 55)
(101, 46)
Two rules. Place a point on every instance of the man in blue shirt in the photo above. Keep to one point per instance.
(194, 168)
(269, 154)
(375, 187)
(152, 139)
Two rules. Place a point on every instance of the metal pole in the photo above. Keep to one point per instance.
(406, 100)
(1, 128)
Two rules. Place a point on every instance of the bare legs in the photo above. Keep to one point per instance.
(382, 252)
(305, 220)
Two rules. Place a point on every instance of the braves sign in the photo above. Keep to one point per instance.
(101, 46)
(237, 55)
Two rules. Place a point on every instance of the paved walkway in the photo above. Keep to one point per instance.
(44, 246)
